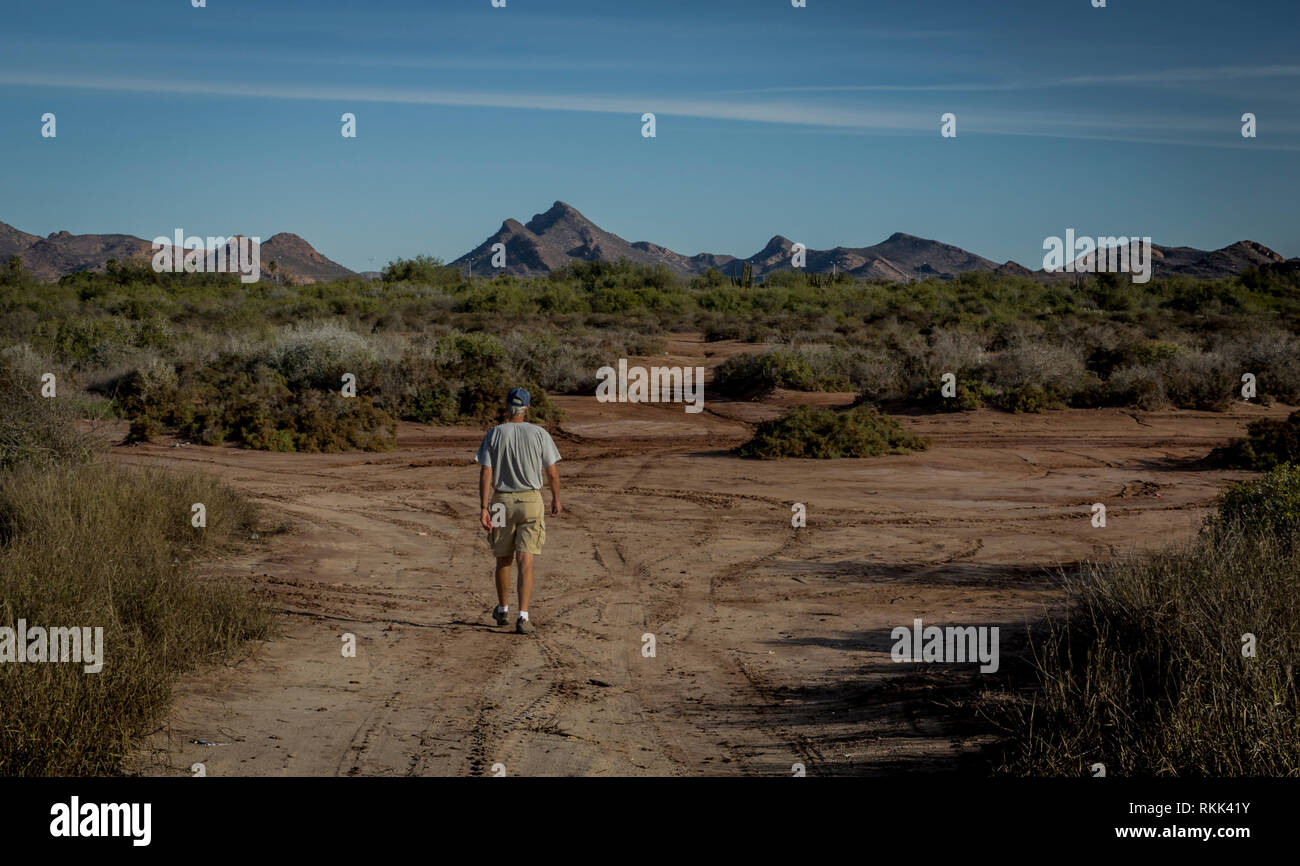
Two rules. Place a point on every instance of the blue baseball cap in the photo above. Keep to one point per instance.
(518, 398)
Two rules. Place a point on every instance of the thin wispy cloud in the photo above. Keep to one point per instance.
(1169, 76)
(796, 113)
(761, 112)
(513, 61)
(882, 33)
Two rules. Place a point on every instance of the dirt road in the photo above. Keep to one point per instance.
(771, 644)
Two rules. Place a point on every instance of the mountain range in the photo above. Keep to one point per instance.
(63, 253)
(561, 235)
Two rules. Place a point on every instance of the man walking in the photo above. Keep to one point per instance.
(513, 457)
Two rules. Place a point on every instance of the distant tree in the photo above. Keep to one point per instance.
(14, 274)
(429, 270)
(130, 271)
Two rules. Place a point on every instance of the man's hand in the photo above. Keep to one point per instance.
(485, 496)
(553, 478)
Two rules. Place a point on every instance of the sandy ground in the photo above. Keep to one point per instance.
(771, 643)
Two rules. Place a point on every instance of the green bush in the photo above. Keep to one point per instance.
(970, 394)
(1178, 342)
(424, 270)
(1268, 443)
(754, 374)
(1029, 398)
(244, 401)
(1268, 504)
(807, 431)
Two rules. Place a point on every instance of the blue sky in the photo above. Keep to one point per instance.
(820, 123)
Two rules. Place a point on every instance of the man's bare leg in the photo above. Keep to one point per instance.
(525, 580)
(503, 580)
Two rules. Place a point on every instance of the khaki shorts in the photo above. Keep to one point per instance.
(525, 523)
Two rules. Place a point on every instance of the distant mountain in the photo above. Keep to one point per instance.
(561, 235)
(1190, 262)
(64, 253)
(1013, 269)
(552, 239)
(1232, 259)
(899, 257)
(287, 255)
(13, 241)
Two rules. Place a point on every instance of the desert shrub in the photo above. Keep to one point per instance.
(421, 270)
(125, 561)
(753, 374)
(970, 394)
(235, 399)
(1039, 363)
(1197, 380)
(284, 393)
(501, 295)
(1272, 355)
(315, 354)
(13, 273)
(85, 343)
(1138, 386)
(807, 431)
(1170, 342)
(1145, 670)
(1029, 398)
(479, 374)
(877, 375)
(1112, 354)
(1165, 375)
(725, 327)
(35, 430)
(569, 366)
(1268, 443)
(954, 351)
(832, 366)
(1268, 504)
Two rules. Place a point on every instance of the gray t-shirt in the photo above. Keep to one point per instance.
(517, 451)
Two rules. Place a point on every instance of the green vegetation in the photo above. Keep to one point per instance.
(758, 373)
(1268, 443)
(1011, 343)
(36, 431)
(87, 544)
(806, 431)
(1145, 673)
(1268, 505)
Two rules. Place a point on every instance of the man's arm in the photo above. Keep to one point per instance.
(553, 479)
(485, 496)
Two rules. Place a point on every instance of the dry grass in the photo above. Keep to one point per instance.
(112, 547)
(1146, 674)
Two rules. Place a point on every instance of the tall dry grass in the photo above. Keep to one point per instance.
(90, 544)
(1145, 673)
(112, 547)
